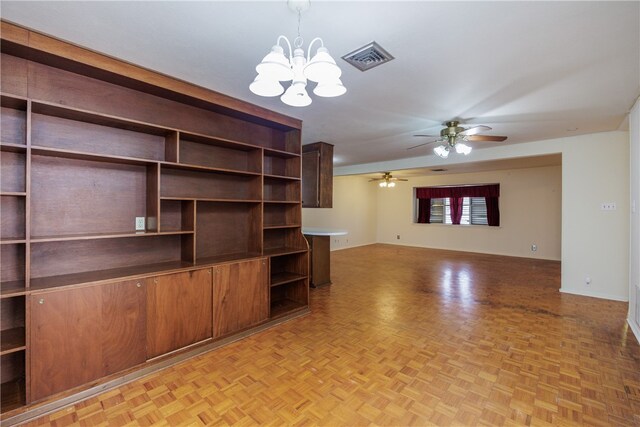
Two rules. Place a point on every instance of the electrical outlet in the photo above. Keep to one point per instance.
(140, 223)
(587, 280)
(534, 247)
(608, 206)
(397, 236)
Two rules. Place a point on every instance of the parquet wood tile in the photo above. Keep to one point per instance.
(406, 336)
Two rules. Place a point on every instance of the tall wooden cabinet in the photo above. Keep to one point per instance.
(91, 149)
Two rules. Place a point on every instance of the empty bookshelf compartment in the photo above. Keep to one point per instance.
(289, 297)
(12, 267)
(281, 190)
(177, 215)
(216, 153)
(12, 389)
(13, 121)
(12, 171)
(12, 218)
(82, 261)
(281, 164)
(288, 268)
(281, 215)
(181, 183)
(12, 321)
(283, 240)
(73, 197)
(77, 130)
(227, 231)
(284, 140)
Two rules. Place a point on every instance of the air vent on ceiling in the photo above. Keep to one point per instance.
(367, 57)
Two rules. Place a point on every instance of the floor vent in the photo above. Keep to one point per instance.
(367, 57)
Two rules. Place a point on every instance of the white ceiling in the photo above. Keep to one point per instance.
(530, 70)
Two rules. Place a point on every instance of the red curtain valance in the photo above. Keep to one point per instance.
(491, 190)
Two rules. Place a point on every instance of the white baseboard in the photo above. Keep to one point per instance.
(635, 328)
(393, 242)
(595, 295)
(352, 246)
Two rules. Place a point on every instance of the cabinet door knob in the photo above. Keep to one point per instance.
(41, 301)
(138, 285)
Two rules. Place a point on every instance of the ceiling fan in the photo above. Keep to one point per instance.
(387, 180)
(454, 135)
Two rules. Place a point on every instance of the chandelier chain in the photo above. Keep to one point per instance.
(298, 42)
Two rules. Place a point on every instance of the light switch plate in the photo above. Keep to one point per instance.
(608, 206)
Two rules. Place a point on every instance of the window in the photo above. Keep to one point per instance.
(469, 204)
(474, 211)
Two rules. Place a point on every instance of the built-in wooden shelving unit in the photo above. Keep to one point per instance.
(90, 149)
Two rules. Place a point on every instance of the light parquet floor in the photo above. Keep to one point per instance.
(406, 336)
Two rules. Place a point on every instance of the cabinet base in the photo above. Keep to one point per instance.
(71, 397)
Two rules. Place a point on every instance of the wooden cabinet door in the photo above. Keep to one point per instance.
(311, 179)
(80, 335)
(240, 295)
(178, 311)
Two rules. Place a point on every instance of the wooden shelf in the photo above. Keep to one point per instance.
(11, 240)
(282, 251)
(13, 193)
(279, 153)
(201, 262)
(13, 101)
(12, 289)
(11, 147)
(283, 201)
(220, 142)
(202, 199)
(81, 155)
(86, 116)
(283, 177)
(12, 340)
(283, 278)
(93, 236)
(103, 276)
(284, 306)
(12, 394)
(273, 227)
(183, 166)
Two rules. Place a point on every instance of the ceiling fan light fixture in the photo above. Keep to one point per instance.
(391, 184)
(441, 151)
(462, 148)
(383, 184)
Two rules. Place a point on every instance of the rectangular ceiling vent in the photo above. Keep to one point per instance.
(367, 57)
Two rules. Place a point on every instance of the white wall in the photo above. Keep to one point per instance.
(354, 209)
(530, 212)
(634, 246)
(595, 170)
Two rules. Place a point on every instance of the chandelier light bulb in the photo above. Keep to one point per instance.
(322, 67)
(383, 184)
(463, 148)
(441, 151)
(330, 88)
(275, 65)
(296, 95)
(392, 184)
(264, 86)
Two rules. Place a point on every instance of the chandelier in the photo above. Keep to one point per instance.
(276, 67)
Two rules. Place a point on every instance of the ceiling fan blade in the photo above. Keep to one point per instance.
(376, 179)
(474, 130)
(486, 138)
(420, 145)
(427, 136)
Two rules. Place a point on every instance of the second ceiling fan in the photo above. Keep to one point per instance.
(454, 136)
